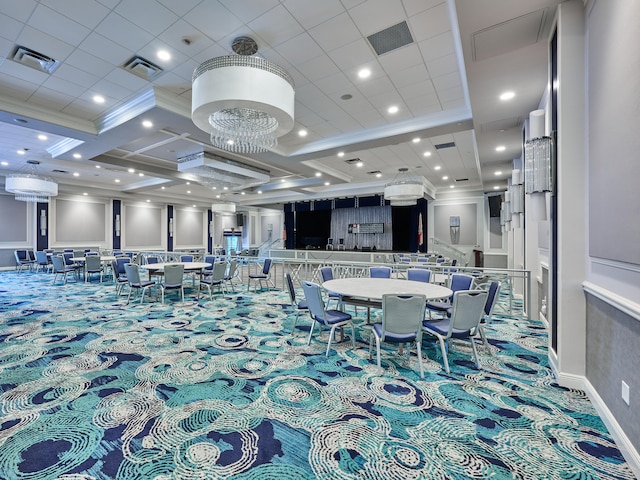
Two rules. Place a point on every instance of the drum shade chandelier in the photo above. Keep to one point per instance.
(245, 102)
(403, 190)
(30, 186)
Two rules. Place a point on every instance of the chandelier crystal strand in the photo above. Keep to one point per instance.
(31, 187)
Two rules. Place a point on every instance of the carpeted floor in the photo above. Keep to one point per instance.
(91, 388)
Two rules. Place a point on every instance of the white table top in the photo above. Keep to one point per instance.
(187, 265)
(103, 258)
(374, 288)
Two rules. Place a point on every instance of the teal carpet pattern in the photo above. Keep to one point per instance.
(92, 388)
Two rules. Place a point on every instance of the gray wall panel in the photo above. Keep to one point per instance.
(468, 230)
(142, 226)
(189, 228)
(78, 221)
(14, 213)
(613, 356)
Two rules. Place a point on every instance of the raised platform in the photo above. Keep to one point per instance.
(333, 255)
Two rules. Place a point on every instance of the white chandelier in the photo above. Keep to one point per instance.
(244, 102)
(403, 190)
(31, 187)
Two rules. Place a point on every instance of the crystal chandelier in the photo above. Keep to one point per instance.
(244, 102)
(403, 190)
(31, 187)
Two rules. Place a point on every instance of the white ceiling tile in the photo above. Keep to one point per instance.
(44, 43)
(21, 10)
(85, 12)
(425, 104)
(173, 82)
(147, 14)
(113, 90)
(443, 65)
(213, 19)
(447, 81)
(337, 83)
(277, 26)
(71, 74)
(335, 32)
(417, 89)
(58, 84)
(352, 55)
(430, 23)
(401, 58)
(375, 15)
(105, 49)
(9, 28)
(180, 8)
(248, 10)
(413, 7)
(87, 62)
(127, 80)
(129, 35)
(173, 36)
(82, 109)
(54, 100)
(310, 14)
(378, 86)
(437, 47)
(409, 76)
(300, 49)
(318, 68)
(110, 4)
(17, 70)
(15, 87)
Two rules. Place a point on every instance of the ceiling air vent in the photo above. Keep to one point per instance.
(143, 68)
(391, 38)
(33, 59)
(462, 179)
(60, 171)
(440, 146)
(353, 161)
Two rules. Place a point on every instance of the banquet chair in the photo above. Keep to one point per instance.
(208, 270)
(42, 261)
(299, 306)
(326, 273)
(467, 311)
(485, 321)
(77, 267)
(402, 317)
(214, 279)
(232, 273)
(458, 282)
(329, 244)
(186, 258)
(173, 279)
(419, 275)
(322, 316)
(92, 264)
(23, 260)
(61, 268)
(263, 276)
(119, 273)
(133, 277)
(341, 244)
(380, 272)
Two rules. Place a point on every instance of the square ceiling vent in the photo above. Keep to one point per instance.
(34, 59)
(143, 68)
(391, 38)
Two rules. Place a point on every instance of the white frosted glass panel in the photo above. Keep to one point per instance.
(13, 214)
(142, 226)
(79, 221)
(188, 228)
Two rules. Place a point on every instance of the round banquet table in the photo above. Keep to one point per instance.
(373, 288)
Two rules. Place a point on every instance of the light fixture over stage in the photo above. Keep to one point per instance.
(245, 102)
(30, 186)
(403, 190)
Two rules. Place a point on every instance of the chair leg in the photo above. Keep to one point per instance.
(475, 353)
(333, 331)
(419, 351)
(445, 358)
(313, 325)
(295, 322)
(378, 350)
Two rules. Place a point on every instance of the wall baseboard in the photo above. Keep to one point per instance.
(622, 441)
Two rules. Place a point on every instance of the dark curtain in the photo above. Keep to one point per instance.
(312, 229)
(289, 225)
(404, 224)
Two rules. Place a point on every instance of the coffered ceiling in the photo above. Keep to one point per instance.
(445, 82)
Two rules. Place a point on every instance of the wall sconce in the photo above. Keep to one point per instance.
(43, 222)
(516, 194)
(538, 155)
(505, 212)
(171, 227)
(211, 228)
(117, 225)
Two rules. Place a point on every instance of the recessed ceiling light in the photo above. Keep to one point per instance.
(98, 98)
(188, 191)
(393, 109)
(500, 148)
(131, 170)
(302, 133)
(507, 96)
(214, 188)
(4, 163)
(437, 167)
(21, 152)
(148, 200)
(117, 180)
(77, 156)
(326, 184)
(241, 193)
(76, 174)
(283, 180)
(496, 187)
(259, 191)
(98, 166)
(452, 186)
(162, 188)
(163, 55)
(378, 175)
(318, 174)
(218, 196)
(498, 172)
(427, 153)
(141, 174)
(188, 183)
(359, 163)
(341, 154)
(226, 188)
(416, 140)
(194, 206)
(85, 193)
(147, 123)
(42, 136)
(445, 177)
(364, 73)
(229, 142)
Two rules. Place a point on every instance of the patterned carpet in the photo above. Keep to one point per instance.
(91, 388)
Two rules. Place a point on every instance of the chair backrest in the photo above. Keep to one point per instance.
(341, 241)
(87, 250)
(173, 274)
(233, 266)
(492, 297)
(67, 258)
(90, 253)
(403, 314)
(460, 281)
(219, 269)
(313, 296)
(186, 258)
(58, 263)
(21, 255)
(117, 252)
(419, 275)
(133, 274)
(467, 311)
(267, 266)
(93, 263)
(119, 265)
(67, 250)
(330, 241)
(326, 273)
(41, 258)
(32, 255)
(380, 272)
(291, 289)
(152, 259)
(209, 259)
